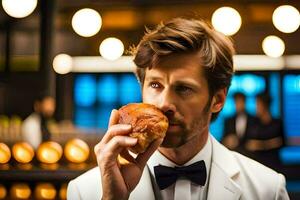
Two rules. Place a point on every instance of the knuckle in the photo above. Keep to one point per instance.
(117, 140)
(98, 148)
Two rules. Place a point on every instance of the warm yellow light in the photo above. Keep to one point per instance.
(63, 191)
(86, 22)
(19, 8)
(22, 152)
(49, 152)
(45, 191)
(5, 153)
(3, 191)
(226, 20)
(286, 18)
(20, 191)
(76, 151)
(273, 46)
(111, 48)
(62, 63)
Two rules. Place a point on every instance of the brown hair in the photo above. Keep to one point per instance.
(186, 36)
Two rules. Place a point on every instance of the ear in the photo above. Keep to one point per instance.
(218, 100)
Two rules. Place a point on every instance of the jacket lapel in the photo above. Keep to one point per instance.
(224, 170)
(144, 189)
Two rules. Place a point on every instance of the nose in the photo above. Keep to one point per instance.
(167, 104)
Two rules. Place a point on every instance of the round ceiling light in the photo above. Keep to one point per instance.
(273, 46)
(286, 19)
(86, 22)
(111, 48)
(19, 8)
(226, 20)
(62, 63)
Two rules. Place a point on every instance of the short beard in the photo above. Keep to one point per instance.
(197, 127)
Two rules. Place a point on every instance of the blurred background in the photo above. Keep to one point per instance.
(64, 66)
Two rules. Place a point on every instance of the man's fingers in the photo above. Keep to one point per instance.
(114, 118)
(125, 158)
(142, 158)
(114, 130)
(113, 148)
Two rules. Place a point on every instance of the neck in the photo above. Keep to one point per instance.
(186, 152)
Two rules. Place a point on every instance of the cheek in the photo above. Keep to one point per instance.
(194, 110)
(148, 97)
(189, 111)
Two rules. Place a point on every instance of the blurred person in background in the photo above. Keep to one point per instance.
(35, 128)
(266, 136)
(236, 128)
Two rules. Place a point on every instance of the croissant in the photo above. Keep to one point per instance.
(147, 121)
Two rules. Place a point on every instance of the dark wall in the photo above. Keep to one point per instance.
(18, 91)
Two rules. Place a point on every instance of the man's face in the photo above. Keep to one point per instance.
(48, 107)
(178, 87)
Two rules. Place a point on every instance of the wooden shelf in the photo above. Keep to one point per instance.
(41, 172)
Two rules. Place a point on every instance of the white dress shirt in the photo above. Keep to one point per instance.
(32, 131)
(183, 189)
(240, 125)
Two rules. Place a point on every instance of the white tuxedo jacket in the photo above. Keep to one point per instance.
(232, 176)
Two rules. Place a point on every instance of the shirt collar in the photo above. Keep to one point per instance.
(204, 154)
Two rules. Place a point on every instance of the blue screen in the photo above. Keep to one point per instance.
(95, 95)
(107, 89)
(291, 105)
(85, 90)
(130, 90)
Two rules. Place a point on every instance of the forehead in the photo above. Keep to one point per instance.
(178, 66)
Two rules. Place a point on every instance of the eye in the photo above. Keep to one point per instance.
(183, 90)
(155, 85)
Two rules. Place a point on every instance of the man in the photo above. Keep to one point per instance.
(185, 69)
(266, 137)
(35, 128)
(237, 128)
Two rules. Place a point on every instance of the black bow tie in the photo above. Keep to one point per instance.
(166, 176)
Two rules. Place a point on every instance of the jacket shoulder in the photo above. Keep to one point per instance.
(259, 179)
(249, 165)
(86, 186)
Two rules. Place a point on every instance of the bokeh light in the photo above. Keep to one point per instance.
(286, 18)
(111, 48)
(86, 22)
(62, 63)
(273, 46)
(226, 20)
(19, 8)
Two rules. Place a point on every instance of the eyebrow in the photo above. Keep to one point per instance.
(154, 78)
(188, 82)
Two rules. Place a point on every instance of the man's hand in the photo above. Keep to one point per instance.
(120, 172)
